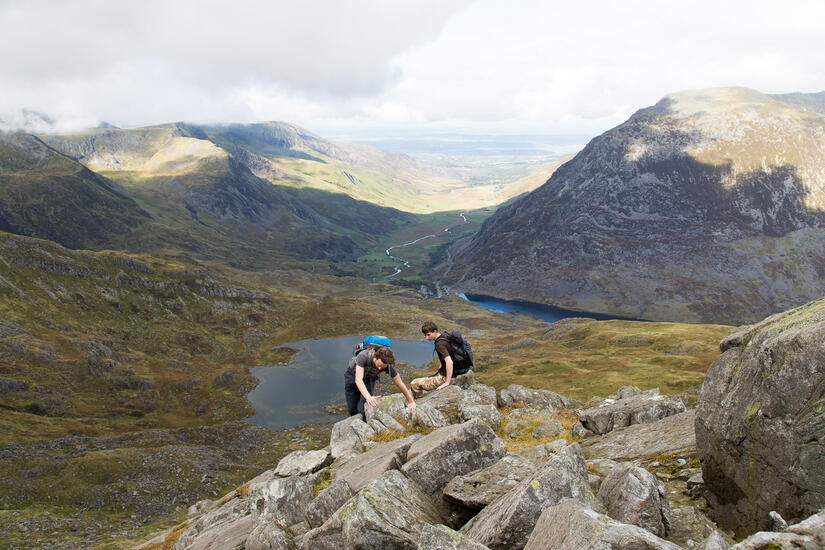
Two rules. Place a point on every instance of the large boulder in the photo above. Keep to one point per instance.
(327, 502)
(572, 525)
(519, 396)
(760, 422)
(388, 513)
(441, 537)
(362, 469)
(631, 494)
(508, 521)
(282, 501)
(447, 401)
(670, 435)
(350, 435)
(299, 463)
(268, 536)
(394, 405)
(477, 489)
(630, 408)
(223, 528)
(436, 458)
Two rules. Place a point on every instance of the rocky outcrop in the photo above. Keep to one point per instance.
(706, 207)
(631, 407)
(633, 495)
(477, 489)
(670, 435)
(760, 423)
(299, 463)
(519, 396)
(360, 470)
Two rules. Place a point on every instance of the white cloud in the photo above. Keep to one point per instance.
(485, 65)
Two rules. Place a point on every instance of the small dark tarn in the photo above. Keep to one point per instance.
(551, 314)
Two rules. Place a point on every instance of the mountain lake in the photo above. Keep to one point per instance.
(551, 314)
(299, 391)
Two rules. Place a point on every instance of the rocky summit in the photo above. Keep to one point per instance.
(706, 207)
(453, 475)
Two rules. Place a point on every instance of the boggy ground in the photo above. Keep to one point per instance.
(123, 377)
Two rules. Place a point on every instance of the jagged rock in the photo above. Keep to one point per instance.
(364, 468)
(516, 427)
(508, 521)
(349, 435)
(383, 420)
(299, 463)
(673, 434)
(327, 502)
(539, 454)
(601, 466)
(487, 413)
(436, 458)
(639, 408)
(778, 523)
(549, 429)
(441, 537)
(764, 540)
(200, 508)
(519, 396)
(224, 528)
(428, 416)
(532, 413)
(714, 541)
(447, 401)
(281, 500)
(571, 525)
(390, 512)
(762, 410)
(477, 489)
(631, 494)
(465, 380)
(688, 523)
(814, 526)
(480, 394)
(579, 431)
(394, 405)
(268, 536)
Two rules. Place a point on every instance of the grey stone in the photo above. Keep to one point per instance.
(390, 512)
(778, 523)
(427, 416)
(394, 405)
(476, 490)
(572, 525)
(539, 454)
(486, 412)
(480, 394)
(518, 396)
(327, 502)
(760, 423)
(268, 536)
(364, 468)
(601, 466)
(631, 494)
(507, 522)
(688, 523)
(200, 507)
(777, 541)
(281, 500)
(553, 428)
(670, 435)
(386, 420)
(441, 537)
(349, 435)
(814, 526)
(465, 380)
(299, 463)
(436, 458)
(447, 401)
(224, 528)
(639, 408)
(714, 541)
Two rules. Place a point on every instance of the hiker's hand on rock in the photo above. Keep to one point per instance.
(371, 401)
(411, 405)
(442, 386)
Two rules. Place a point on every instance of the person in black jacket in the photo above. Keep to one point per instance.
(444, 376)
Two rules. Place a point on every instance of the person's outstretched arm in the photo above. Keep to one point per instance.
(404, 390)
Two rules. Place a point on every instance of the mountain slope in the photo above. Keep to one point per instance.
(708, 206)
(46, 194)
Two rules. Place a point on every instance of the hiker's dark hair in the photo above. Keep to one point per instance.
(428, 327)
(386, 355)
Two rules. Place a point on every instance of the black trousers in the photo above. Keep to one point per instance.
(355, 401)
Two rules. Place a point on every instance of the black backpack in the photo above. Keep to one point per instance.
(462, 354)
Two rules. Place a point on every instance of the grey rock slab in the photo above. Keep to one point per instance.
(447, 401)
(364, 468)
(327, 502)
(349, 435)
(539, 454)
(281, 500)
(507, 522)
(427, 416)
(636, 409)
(673, 434)
(465, 380)
(631, 494)
(714, 541)
(516, 395)
(394, 405)
(762, 409)
(268, 536)
(480, 394)
(688, 523)
(552, 428)
(766, 540)
(388, 513)
(225, 527)
(436, 458)
(485, 412)
(572, 525)
(477, 489)
(814, 526)
(386, 420)
(441, 537)
(299, 463)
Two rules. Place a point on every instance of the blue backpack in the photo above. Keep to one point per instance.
(374, 341)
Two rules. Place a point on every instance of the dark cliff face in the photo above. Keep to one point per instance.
(706, 207)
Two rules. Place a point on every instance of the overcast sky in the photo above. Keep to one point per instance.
(347, 66)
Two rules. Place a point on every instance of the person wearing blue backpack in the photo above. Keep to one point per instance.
(371, 357)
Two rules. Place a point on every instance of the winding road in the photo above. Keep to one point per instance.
(404, 263)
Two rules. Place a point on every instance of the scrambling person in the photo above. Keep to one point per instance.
(362, 374)
(444, 376)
